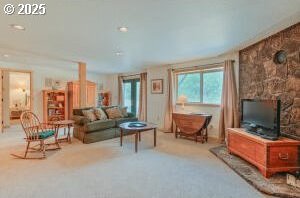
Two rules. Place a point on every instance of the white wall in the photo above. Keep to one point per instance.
(157, 102)
(41, 73)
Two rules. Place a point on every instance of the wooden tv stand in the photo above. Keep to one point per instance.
(268, 156)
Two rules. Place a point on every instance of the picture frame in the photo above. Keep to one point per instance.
(157, 86)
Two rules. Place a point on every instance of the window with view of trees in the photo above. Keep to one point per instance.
(201, 86)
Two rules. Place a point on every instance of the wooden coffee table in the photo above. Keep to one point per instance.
(126, 130)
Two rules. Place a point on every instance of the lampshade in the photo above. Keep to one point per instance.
(182, 99)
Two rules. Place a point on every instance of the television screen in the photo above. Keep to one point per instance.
(264, 114)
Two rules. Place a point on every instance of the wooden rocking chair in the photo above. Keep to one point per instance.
(37, 132)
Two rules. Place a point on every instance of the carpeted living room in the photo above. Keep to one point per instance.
(142, 99)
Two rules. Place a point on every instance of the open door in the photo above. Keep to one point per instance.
(1, 121)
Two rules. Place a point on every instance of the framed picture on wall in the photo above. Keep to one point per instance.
(157, 86)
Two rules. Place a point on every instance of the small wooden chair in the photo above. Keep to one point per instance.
(37, 132)
(189, 125)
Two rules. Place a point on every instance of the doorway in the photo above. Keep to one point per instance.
(132, 95)
(16, 95)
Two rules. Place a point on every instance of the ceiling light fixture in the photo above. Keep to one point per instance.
(5, 55)
(17, 27)
(123, 29)
(119, 53)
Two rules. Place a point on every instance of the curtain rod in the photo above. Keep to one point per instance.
(198, 66)
(130, 75)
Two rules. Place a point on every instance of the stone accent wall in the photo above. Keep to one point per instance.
(261, 78)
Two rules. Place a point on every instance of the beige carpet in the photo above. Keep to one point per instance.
(176, 168)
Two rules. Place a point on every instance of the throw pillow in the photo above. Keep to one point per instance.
(124, 111)
(89, 114)
(114, 113)
(100, 114)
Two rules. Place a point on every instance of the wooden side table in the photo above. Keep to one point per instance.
(64, 123)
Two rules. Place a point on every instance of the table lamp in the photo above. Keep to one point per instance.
(182, 99)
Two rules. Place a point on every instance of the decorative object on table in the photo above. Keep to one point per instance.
(192, 125)
(125, 129)
(157, 86)
(137, 124)
(54, 105)
(182, 99)
(36, 132)
(73, 95)
(280, 57)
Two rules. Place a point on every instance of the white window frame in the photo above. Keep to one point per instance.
(201, 72)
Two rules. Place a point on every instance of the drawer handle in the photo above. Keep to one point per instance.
(283, 156)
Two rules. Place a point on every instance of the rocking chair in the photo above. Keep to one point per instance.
(37, 132)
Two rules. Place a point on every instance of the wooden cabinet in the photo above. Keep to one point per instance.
(268, 156)
(73, 95)
(54, 105)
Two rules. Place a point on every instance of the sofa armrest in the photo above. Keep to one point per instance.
(80, 120)
(130, 115)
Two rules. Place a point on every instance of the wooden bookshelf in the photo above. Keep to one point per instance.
(55, 105)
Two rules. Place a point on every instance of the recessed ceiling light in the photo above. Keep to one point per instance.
(17, 27)
(119, 53)
(123, 29)
(5, 55)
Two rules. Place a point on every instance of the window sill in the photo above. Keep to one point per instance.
(199, 104)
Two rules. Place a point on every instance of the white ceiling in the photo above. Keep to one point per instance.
(160, 31)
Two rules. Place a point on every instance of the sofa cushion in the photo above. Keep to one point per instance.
(100, 125)
(124, 111)
(104, 108)
(114, 113)
(89, 114)
(122, 120)
(100, 114)
(79, 111)
(80, 120)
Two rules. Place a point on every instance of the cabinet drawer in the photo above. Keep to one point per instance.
(283, 156)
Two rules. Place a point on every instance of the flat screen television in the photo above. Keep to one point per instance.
(261, 117)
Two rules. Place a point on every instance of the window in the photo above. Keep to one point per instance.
(203, 86)
(131, 95)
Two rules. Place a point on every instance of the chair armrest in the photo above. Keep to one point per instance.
(80, 120)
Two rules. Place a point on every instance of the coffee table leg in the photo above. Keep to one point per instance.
(136, 141)
(154, 137)
(121, 136)
(139, 136)
(69, 135)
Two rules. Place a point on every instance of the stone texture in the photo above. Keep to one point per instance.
(261, 78)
